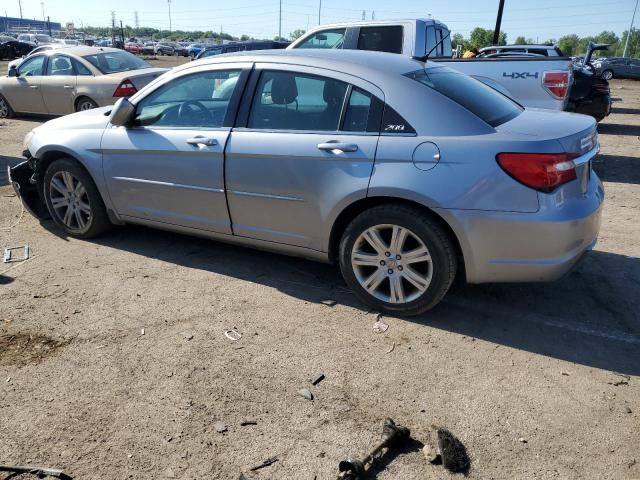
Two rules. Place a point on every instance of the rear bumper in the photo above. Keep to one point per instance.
(528, 247)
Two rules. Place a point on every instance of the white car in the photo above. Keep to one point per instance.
(42, 48)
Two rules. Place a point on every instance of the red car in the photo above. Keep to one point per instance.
(134, 48)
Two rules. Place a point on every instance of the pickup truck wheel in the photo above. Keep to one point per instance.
(73, 200)
(607, 75)
(5, 108)
(85, 103)
(397, 259)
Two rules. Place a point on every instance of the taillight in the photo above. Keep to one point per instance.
(125, 89)
(557, 83)
(541, 171)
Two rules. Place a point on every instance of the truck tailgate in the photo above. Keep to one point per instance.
(521, 78)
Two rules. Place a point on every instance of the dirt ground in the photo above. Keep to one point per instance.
(114, 363)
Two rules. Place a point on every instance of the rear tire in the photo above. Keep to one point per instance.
(85, 103)
(607, 74)
(5, 108)
(404, 277)
(73, 200)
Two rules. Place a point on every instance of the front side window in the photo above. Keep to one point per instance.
(113, 62)
(325, 39)
(199, 100)
(491, 106)
(296, 101)
(59, 65)
(31, 67)
(381, 39)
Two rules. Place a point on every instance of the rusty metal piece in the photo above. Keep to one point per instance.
(392, 435)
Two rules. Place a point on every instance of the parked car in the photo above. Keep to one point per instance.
(61, 81)
(149, 48)
(618, 67)
(241, 47)
(536, 81)
(163, 49)
(134, 48)
(590, 94)
(284, 160)
(11, 48)
(37, 38)
(180, 49)
(40, 49)
(194, 49)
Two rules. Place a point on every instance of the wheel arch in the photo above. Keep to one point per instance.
(354, 209)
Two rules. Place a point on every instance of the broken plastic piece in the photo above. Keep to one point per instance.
(11, 254)
(233, 335)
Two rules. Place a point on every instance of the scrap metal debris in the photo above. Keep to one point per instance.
(380, 326)
(12, 254)
(306, 393)
(329, 303)
(266, 463)
(317, 379)
(233, 335)
(39, 472)
(392, 436)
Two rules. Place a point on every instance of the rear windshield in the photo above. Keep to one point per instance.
(485, 102)
(113, 62)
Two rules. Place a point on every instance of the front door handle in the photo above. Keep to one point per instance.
(337, 147)
(33, 86)
(68, 87)
(209, 142)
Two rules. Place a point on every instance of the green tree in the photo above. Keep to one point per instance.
(520, 40)
(569, 44)
(296, 34)
(482, 37)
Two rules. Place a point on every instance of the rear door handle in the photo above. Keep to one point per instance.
(33, 86)
(68, 87)
(337, 147)
(209, 142)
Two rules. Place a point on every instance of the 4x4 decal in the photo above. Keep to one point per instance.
(516, 75)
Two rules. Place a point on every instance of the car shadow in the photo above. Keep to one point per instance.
(589, 317)
(630, 111)
(618, 129)
(617, 168)
(6, 161)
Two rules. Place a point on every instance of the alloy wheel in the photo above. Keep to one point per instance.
(392, 263)
(85, 105)
(4, 108)
(608, 75)
(70, 201)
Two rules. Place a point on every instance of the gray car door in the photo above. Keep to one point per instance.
(23, 92)
(304, 148)
(168, 166)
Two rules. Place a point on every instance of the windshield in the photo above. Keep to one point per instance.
(43, 38)
(113, 62)
(485, 102)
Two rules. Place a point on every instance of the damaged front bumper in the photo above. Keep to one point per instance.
(25, 184)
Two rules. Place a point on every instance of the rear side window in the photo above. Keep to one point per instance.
(480, 99)
(381, 39)
(296, 101)
(539, 51)
(325, 39)
(363, 113)
(80, 68)
(112, 62)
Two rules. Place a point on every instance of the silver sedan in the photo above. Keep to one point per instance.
(404, 173)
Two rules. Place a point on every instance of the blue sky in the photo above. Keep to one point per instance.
(538, 19)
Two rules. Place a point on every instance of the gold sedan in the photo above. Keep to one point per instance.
(57, 82)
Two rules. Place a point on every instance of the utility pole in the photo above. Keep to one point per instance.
(20, 5)
(280, 22)
(169, 3)
(136, 21)
(319, 11)
(42, 5)
(496, 33)
(364, 15)
(49, 25)
(373, 15)
(626, 43)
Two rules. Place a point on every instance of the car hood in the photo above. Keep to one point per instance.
(98, 118)
(576, 133)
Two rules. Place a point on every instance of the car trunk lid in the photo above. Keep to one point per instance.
(141, 77)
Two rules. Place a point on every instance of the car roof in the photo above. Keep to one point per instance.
(371, 23)
(83, 50)
(548, 47)
(358, 62)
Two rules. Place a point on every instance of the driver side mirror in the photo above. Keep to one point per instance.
(13, 71)
(122, 113)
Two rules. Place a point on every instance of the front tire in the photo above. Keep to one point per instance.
(607, 74)
(398, 259)
(5, 108)
(73, 200)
